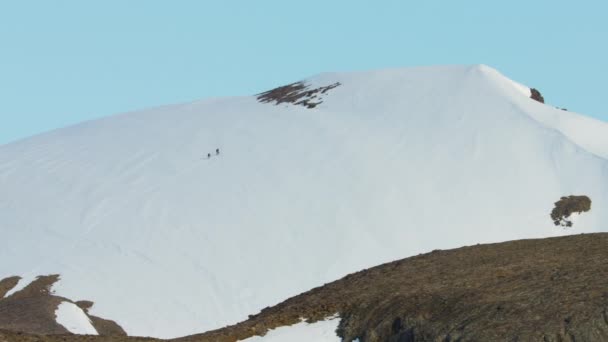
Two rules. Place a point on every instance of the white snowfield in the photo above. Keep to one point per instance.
(71, 317)
(322, 331)
(133, 216)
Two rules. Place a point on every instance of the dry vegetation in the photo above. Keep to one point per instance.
(567, 206)
(529, 290)
(32, 309)
(7, 284)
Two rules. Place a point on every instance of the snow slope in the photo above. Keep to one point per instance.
(70, 316)
(322, 331)
(131, 214)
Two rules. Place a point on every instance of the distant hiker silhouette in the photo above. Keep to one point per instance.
(217, 151)
(208, 155)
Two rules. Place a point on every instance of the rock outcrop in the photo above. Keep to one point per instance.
(536, 95)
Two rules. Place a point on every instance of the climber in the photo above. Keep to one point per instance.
(217, 151)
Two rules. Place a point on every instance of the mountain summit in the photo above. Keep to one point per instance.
(189, 217)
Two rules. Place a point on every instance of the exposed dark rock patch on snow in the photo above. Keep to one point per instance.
(32, 309)
(8, 284)
(528, 290)
(296, 93)
(566, 206)
(536, 95)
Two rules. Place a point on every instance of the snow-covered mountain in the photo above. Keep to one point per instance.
(357, 169)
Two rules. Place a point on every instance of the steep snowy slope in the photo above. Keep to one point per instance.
(132, 215)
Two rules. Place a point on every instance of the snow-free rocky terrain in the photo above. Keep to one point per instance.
(549, 290)
(139, 214)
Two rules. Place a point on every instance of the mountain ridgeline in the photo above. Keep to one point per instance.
(140, 213)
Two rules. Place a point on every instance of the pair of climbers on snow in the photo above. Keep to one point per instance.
(217, 153)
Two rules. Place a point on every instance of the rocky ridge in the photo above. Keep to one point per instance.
(528, 290)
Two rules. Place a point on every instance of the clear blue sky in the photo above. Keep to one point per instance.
(63, 62)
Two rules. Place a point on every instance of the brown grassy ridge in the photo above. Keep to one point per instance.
(13, 336)
(7, 284)
(553, 289)
(32, 309)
